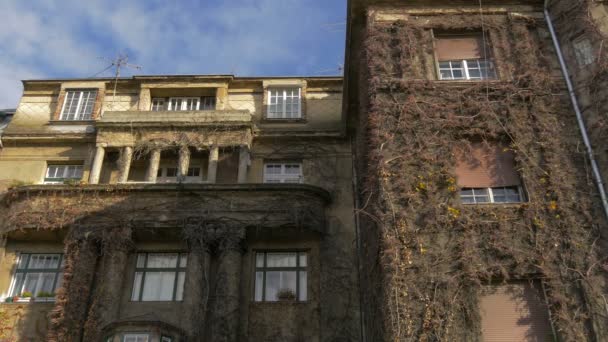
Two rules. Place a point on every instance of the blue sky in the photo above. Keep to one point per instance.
(66, 38)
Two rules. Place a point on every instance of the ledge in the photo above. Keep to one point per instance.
(182, 118)
(186, 187)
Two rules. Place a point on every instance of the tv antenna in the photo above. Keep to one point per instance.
(121, 61)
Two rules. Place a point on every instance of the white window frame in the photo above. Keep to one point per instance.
(65, 173)
(137, 337)
(491, 195)
(158, 104)
(183, 104)
(277, 92)
(79, 114)
(282, 177)
(57, 282)
(491, 72)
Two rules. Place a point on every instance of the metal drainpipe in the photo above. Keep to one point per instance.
(579, 116)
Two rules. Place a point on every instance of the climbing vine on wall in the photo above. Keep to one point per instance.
(438, 253)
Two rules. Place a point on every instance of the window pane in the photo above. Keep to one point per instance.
(303, 284)
(179, 291)
(136, 286)
(457, 74)
(31, 282)
(22, 261)
(40, 261)
(141, 260)
(303, 260)
(467, 200)
(171, 172)
(18, 285)
(281, 259)
(280, 285)
(482, 199)
(158, 286)
(47, 282)
(183, 260)
(162, 260)
(482, 191)
(259, 259)
(259, 279)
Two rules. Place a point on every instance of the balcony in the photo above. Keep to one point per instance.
(176, 118)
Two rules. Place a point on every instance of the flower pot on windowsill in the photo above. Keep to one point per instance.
(286, 295)
(44, 296)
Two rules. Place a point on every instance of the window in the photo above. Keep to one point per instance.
(158, 104)
(159, 277)
(169, 175)
(136, 338)
(166, 339)
(509, 194)
(464, 57)
(583, 51)
(487, 174)
(184, 103)
(281, 276)
(207, 103)
(39, 275)
(78, 105)
(282, 173)
(284, 103)
(57, 174)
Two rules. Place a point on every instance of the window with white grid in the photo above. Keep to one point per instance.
(56, 174)
(282, 173)
(507, 194)
(78, 105)
(158, 104)
(471, 69)
(284, 103)
(136, 338)
(184, 103)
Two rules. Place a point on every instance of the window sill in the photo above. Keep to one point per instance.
(513, 205)
(281, 303)
(269, 120)
(71, 122)
(30, 301)
(493, 81)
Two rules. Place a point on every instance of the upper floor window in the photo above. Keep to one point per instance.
(281, 276)
(487, 174)
(464, 57)
(135, 338)
(37, 275)
(183, 103)
(284, 103)
(159, 277)
(282, 173)
(78, 105)
(583, 51)
(58, 174)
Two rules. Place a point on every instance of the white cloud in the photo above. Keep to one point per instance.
(64, 38)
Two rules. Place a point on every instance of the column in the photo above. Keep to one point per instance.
(196, 287)
(243, 164)
(184, 163)
(214, 154)
(97, 164)
(152, 171)
(109, 282)
(67, 318)
(145, 100)
(125, 164)
(225, 321)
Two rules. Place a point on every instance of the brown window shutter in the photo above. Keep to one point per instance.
(484, 166)
(514, 312)
(459, 47)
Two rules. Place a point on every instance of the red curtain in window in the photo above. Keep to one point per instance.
(485, 166)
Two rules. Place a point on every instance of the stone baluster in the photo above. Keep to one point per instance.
(183, 164)
(125, 164)
(97, 164)
(153, 166)
(214, 153)
(225, 321)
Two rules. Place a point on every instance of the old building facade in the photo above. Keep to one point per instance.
(174, 208)
(480, 213)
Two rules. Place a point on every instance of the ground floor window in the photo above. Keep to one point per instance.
(159, 277)
(37, 275)
(281, 276)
